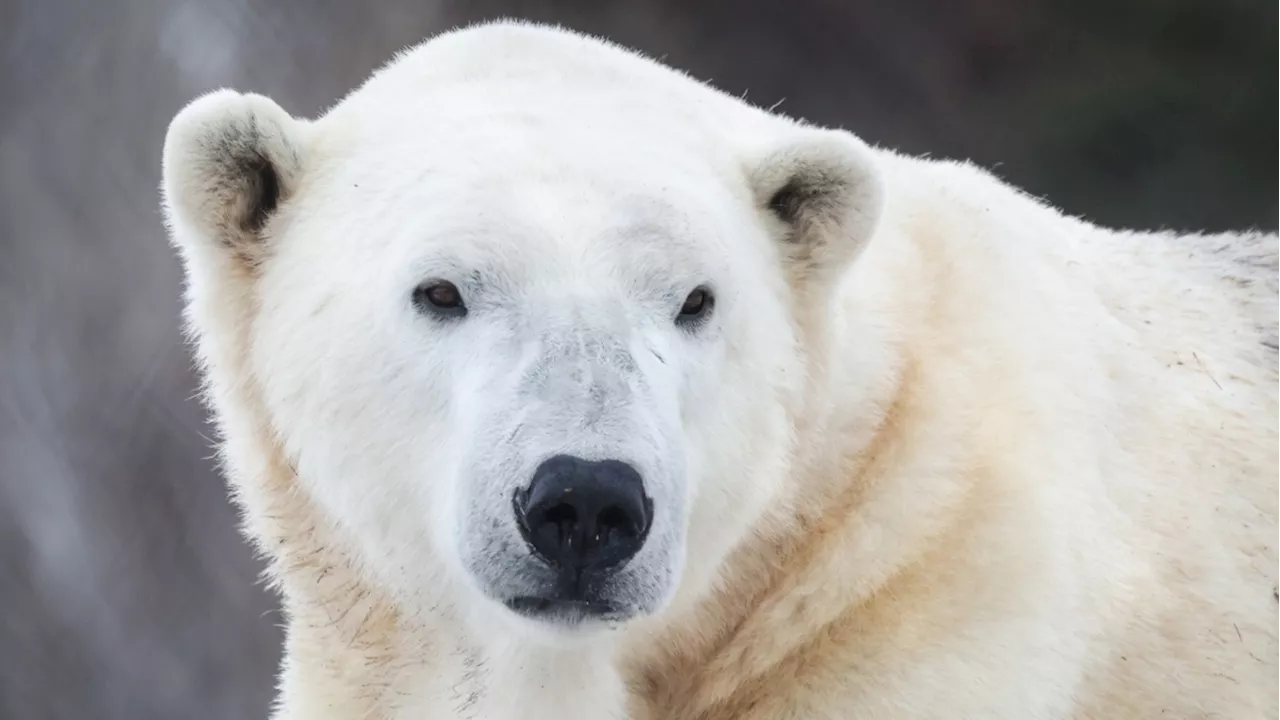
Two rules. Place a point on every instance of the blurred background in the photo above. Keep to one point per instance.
(125, 591)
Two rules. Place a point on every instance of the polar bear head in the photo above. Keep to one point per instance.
(530, 318)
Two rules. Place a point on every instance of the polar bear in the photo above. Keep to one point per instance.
(553, 383)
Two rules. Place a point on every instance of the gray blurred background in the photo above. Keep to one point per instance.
(125, 591)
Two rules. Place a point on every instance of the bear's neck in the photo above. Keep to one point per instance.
(551, 683)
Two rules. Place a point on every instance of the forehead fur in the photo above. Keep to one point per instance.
(536, 87)
(508, 148)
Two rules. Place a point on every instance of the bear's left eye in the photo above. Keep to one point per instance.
(697, 306)
(440, 297)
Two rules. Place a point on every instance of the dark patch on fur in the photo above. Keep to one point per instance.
(264, 189)
(810, 198)
(248, 184)
(802, 203)
(788, 202)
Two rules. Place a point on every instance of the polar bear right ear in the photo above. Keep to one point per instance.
(230, 160)
(824, 188)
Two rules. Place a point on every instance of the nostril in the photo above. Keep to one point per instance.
(561, 515)
(614, 519)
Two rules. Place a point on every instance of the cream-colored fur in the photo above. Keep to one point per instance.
(1019, 466)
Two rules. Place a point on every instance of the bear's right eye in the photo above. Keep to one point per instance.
(697, 306)
(440, 297)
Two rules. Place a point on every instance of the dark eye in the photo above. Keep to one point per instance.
(697, 306)
(440, 297)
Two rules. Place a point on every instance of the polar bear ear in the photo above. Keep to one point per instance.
(230, 160)
(824, 189)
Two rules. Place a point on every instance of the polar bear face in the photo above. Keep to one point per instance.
(529, 340)
(506, 364)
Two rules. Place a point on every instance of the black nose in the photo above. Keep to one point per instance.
(584, 515)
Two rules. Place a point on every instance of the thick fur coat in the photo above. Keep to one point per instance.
(940, 451)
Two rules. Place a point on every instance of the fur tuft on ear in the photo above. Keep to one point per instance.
(230, 160)
(825, 190)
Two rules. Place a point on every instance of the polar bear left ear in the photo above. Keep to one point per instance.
(230, 161)
(824, 189)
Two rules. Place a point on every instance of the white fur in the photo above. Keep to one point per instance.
(939, 451)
